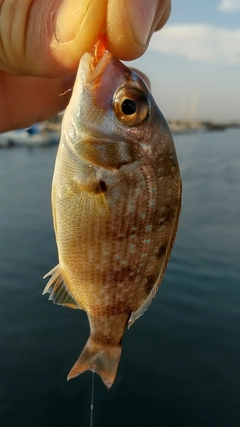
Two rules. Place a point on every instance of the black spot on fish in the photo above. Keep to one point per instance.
(161, 251)
(103, 186)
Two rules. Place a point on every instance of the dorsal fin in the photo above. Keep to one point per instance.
(57, 289)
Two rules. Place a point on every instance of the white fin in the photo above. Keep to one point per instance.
(141, 310)
(57, 289)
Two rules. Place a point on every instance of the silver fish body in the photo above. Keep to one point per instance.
(116, 198)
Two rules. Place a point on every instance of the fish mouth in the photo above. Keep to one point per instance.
(91, 72)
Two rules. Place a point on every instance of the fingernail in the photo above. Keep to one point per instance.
(141, 14)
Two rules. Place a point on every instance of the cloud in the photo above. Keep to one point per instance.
(229, 5)
(199, 42)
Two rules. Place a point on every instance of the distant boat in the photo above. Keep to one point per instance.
(34, 136)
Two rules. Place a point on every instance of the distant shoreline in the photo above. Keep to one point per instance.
(176, 126)
(183, 126)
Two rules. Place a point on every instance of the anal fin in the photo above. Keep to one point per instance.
(57, 289)
(141, 310)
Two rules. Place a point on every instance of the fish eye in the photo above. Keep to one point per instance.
(131, 106)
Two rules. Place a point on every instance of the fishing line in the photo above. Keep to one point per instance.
(66, 91)
(92, 397)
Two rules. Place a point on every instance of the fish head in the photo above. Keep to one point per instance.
(111, 100)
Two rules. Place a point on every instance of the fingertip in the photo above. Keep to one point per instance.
(121, 41)
(77, 26)
(119, 50)
(130, 25)
(165, 16)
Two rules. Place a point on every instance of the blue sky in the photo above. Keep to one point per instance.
(194, 62)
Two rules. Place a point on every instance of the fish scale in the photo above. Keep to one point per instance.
(116, 199)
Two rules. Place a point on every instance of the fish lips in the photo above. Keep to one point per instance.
(87, 73)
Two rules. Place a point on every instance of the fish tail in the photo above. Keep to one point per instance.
(98, 358)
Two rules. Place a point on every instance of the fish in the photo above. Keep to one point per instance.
(116, 197)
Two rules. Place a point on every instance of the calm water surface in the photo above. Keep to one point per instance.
(180, 362)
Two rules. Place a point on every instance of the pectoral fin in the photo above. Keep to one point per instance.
(57, 289)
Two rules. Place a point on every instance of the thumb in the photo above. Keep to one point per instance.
(131, 23)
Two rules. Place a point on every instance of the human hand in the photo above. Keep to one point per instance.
(41, 42)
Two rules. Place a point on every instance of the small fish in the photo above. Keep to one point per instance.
(116, 198)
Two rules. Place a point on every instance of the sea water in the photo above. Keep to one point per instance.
(180, 364)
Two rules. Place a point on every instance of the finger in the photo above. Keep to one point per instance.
(130, 25)
(26, 100)
(47, 38)
(78, 24)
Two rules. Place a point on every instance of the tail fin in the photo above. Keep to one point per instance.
(98, 358)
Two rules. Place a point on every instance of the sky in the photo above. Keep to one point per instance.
(194, 61)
